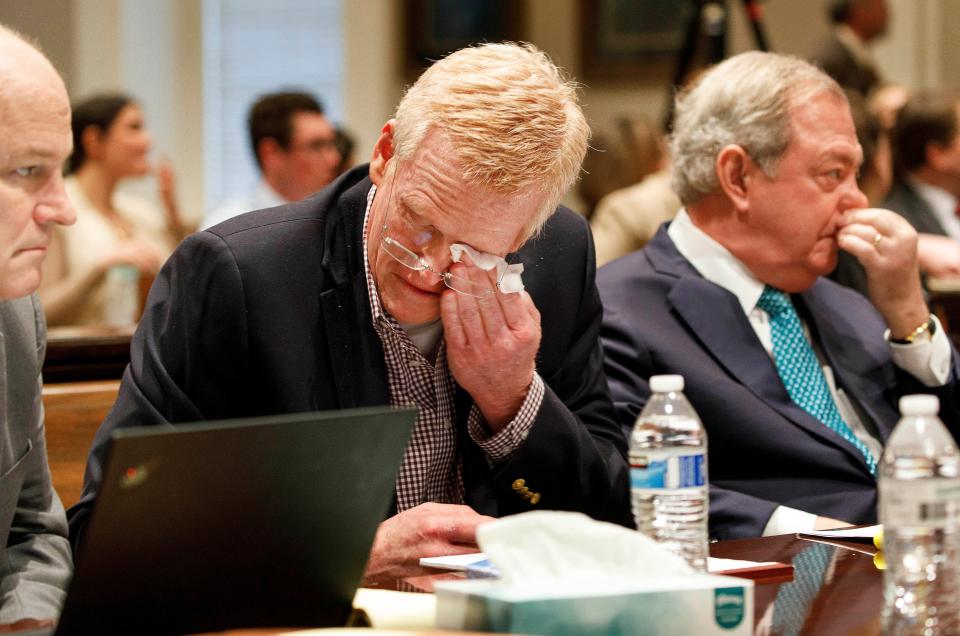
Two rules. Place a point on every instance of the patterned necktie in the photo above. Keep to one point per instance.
(800, 370)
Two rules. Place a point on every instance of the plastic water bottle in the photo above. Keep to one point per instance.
(668, 472)
(920, 512)
(122, 295)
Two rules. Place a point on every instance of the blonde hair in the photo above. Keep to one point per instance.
(513, 120)
(745, 100)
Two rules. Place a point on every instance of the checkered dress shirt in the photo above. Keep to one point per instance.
(431, 469)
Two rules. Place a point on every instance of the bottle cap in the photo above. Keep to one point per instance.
(919, 405)
(666, 383)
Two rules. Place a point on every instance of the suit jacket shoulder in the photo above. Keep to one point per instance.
(905, 201)
(35, 563)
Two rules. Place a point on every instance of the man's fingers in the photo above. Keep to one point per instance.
(514, 308)
(469, 315)
(452, 328)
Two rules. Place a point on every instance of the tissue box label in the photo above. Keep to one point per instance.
(728, 606)
(678, 471)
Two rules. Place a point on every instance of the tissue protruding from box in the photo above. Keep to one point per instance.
(564, 573)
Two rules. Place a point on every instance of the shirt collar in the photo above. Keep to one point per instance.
(943, 203)
(266, 195)
(714, 261)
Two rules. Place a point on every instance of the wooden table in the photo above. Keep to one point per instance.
(835, 590)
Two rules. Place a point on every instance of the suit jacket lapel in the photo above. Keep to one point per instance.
(354, 349)
(864, 378)
(715, 317)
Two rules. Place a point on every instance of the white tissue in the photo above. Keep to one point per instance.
(507, 274)
(562, 549)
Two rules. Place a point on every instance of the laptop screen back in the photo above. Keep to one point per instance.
(246, 523)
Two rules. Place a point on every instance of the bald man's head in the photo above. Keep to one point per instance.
(35, 140)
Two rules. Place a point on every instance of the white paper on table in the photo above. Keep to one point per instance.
(460, 562)
(868, 532)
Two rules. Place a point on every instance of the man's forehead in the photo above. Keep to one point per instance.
(308, 122)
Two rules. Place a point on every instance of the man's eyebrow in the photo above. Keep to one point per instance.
(36, 152)
(846, 156)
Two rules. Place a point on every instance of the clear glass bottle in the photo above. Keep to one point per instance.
(668, 472)
(919, 484)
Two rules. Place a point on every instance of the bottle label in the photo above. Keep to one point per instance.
(934, 503)
(677, 471)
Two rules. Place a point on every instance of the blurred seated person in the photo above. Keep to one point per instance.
(295, 146)
(118, 236)
(796, 378)
(845, 55)
(627, 218)
(345, 144)
(926, 186)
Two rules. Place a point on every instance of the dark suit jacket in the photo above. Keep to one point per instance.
(905, 201)
(269, 313)
(662, 316)
(837, 62)
(35, 563)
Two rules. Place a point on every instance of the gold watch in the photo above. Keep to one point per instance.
(929, 328)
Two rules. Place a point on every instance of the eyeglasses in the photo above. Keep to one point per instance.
(317, 146)
(481, 287)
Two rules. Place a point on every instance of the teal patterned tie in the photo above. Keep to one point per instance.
(800, 370)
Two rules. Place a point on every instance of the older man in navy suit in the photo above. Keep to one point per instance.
(796, 378)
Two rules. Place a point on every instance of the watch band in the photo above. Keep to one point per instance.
(928, 328)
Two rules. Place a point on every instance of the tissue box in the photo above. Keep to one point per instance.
(688, 604)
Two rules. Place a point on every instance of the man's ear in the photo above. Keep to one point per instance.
(382, 153)
(735, 171)
(935, 153)
(268, 149)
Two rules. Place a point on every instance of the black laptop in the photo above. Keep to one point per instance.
(246, 523)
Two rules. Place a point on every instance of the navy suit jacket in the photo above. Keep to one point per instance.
(268, 313)
(662, 316)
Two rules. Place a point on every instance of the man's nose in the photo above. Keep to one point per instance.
(54, 205)
(854, 197)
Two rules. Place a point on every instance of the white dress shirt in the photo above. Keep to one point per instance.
(263, 196)
(928, 361)
(943, 204)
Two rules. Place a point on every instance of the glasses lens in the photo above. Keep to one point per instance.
(404, 256)
(479, 285)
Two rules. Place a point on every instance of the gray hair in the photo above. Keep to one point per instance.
(745, 100)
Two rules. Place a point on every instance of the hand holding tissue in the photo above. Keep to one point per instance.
(564, 573)
(508, 275)
(492, 341)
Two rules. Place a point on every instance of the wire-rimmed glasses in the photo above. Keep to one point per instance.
(408, 258)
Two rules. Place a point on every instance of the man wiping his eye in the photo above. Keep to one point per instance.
(443, 276)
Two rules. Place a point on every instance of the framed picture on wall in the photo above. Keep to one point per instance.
(633, 39)
(438, 27)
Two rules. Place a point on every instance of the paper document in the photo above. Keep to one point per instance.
(868, 532)
(478, 561)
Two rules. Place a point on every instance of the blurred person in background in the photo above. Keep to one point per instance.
(926, 186)
(118, 236)
(345, 144)
(629, 217)
(296, 149)
(845, 55)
